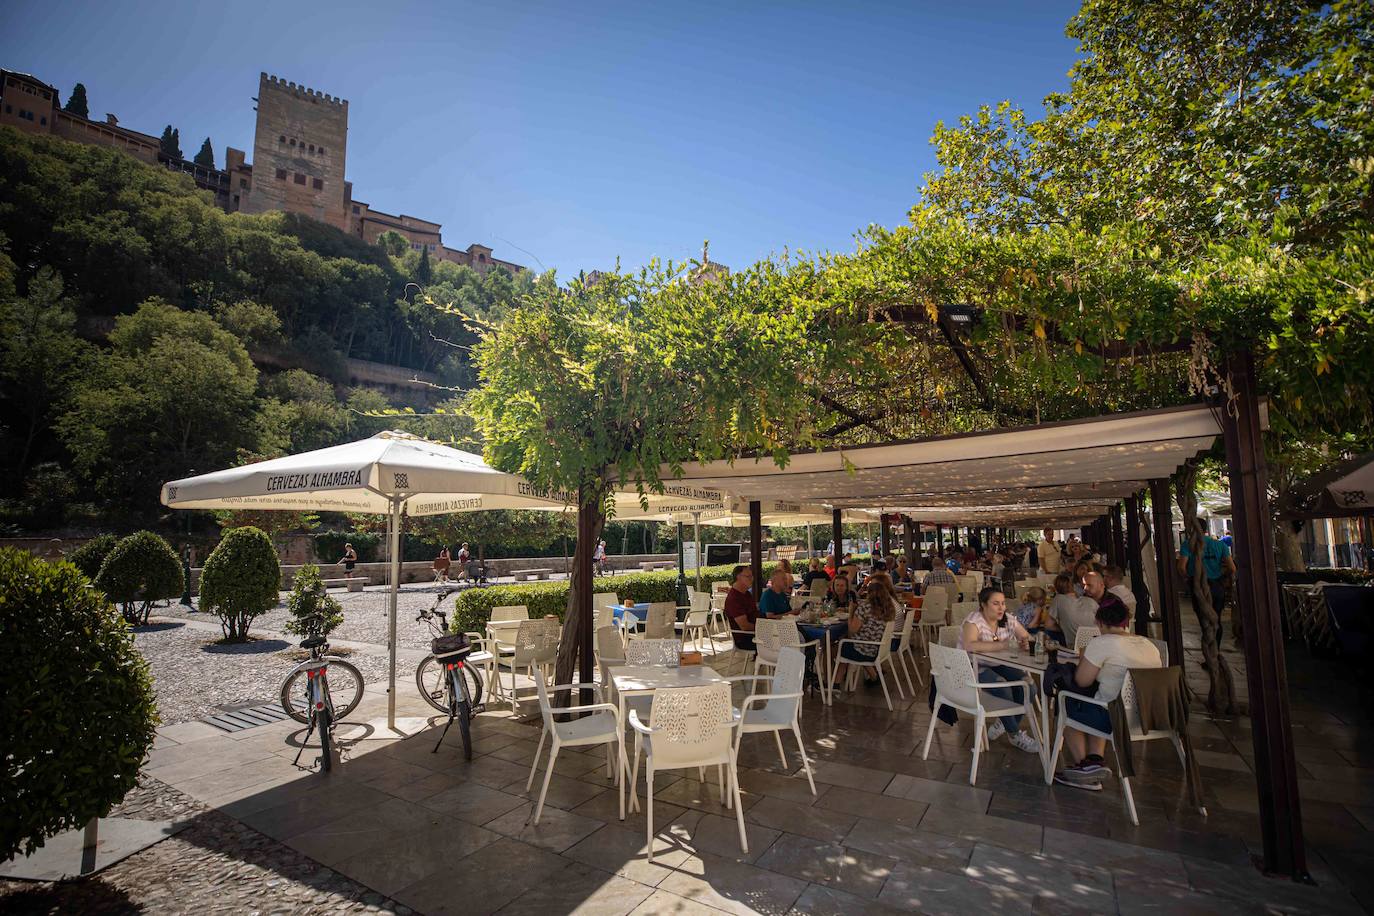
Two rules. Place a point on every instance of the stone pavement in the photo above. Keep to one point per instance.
(885, 832)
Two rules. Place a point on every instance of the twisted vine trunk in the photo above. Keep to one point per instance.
(575, 646)
(1221, 696)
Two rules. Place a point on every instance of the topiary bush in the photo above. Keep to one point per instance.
(312, 609)
(77, 713)
(240, 580)
(472, 608)
(90, 556)
(142, 568)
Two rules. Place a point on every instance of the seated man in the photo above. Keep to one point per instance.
(776, 600)
(939, 575)
(1115, 578)
(815, 572)
(740, 607)
(1105, 661)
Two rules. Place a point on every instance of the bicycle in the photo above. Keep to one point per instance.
(448, 678)
(321, 708)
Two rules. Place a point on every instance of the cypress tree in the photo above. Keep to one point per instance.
(423, 273)
(206, 156)
(77, 103)
(170, 142)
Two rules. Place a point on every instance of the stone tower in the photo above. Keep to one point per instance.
(298, 153)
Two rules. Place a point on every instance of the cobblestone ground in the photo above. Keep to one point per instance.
(215, 865)
(365, 615)
(194, 673)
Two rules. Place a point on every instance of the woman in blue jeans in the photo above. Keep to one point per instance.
(990, 629)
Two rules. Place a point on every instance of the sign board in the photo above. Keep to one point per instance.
(689, 555)
(722, 554)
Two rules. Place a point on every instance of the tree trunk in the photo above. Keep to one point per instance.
(1287, 549)
(1221, 697)
(577, 621)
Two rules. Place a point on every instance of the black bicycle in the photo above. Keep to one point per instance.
(449, 679)
(307, 695)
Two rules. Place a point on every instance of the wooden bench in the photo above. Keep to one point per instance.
(522, 575)
(354, 584)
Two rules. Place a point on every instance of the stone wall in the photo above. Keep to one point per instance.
(298, 153)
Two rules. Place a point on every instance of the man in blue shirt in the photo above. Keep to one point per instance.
(776, 600)
(1216, 563)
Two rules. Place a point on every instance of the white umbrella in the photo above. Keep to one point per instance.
(386, 474)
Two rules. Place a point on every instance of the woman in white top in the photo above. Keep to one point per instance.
(1106, 660)
(991, 629)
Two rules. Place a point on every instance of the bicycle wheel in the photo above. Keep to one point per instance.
(472, 679)
(462, 710)
(326, 724)
(430, 680)
(345, 687)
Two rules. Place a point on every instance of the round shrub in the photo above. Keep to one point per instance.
(142, 568)
(77, 710)
(312, 609)
(240, 580)
(90, 556)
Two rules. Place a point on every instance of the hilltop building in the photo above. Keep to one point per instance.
(299, 151)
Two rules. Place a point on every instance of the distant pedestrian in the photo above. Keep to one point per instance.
(441, 564)
(349, 560)
(599, 557)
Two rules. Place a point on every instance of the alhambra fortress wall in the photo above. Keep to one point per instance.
(300, 148)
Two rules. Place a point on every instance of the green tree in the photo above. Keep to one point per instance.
(423, 273)
(141, 569)
(393, 243)
(240, 581)
(77, 715)
(170, 142)
(174, 393)
(206, 156)
(312, 609)
(40, 360)
(76, 102)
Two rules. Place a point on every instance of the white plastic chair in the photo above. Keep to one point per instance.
(610, 653)
(884, 644)
(660, 622)
(959, 611)
(1137, 733)
(504, 620)
(657, 653)
(819, 586)
(1084, 636)
(688, 728)
(771, 636)
(967, 586)
(778, 709)
(905, 653)
(535, 647)
(600, 725)
(957, 686)
(694, 626)
(799, 602)
(949, 637)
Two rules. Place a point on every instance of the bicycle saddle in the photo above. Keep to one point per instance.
(312, 642)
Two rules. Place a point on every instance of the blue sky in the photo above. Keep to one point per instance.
(570, 134)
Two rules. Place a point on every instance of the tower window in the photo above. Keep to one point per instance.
(300, 179)
(293, 141)
(312, 147)
(319, 184)
(281, 174)
(355, 209)
(322, 151)
(282, 138)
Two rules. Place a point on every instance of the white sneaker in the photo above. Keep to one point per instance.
(1026, 743)
(996, 730)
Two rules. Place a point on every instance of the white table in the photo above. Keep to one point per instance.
(1035, 666)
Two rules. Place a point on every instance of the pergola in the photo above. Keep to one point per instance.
(1069, 474)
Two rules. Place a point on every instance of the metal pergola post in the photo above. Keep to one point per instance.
(884, 535)
(1133, 563)
(1165, 553)
(837, 532)
(756, 545)
(1116, 551)
(1257, 599)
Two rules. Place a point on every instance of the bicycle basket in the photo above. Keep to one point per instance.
(450, 645)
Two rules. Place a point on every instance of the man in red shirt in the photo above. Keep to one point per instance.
(741, 607)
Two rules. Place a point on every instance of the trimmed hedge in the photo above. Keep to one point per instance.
(142, 568)
(90, 556)
(240, 580)
(77, 714)
(472, 608)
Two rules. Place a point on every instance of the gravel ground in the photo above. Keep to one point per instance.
(365, 617)
(193, 672)
(215, 865)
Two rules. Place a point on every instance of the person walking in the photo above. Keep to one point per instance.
(349, 560)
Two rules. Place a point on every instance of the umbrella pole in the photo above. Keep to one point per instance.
(696, 534)
(395, 550)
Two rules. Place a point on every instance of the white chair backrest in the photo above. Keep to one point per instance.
(536, 642)
(819, 586)
(657, 653)
(510, 612)
(691, 725)
(919, 575)
(1083, 637)
(700, 613)
(659, 620)
(1163, 648)
(948, 637)
(801, 601)
(967, 585)
(960, 610)
(605, 599)
(934, 603)
(787, 678)
(908, 622)
(885, 641)
(952, 671)
(608, 645)
(719, 588)
(768, 637)
(977, 576)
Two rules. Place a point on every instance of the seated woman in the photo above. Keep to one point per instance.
(867, 622)
(901, 572)
(813, 573)
(841, 595)
(1031, 612)
(1106, 660)
(990, 629)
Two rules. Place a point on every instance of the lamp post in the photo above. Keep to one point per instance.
(185, 564)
